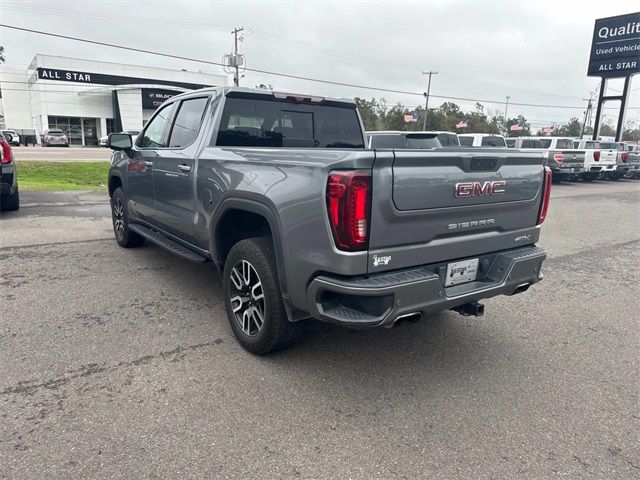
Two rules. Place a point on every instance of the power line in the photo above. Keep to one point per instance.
(284, 75)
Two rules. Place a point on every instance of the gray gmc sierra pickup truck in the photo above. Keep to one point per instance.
(302, 221)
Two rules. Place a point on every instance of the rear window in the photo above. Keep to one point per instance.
(466, 141)
(53, 131)
(448, 140)
(564, 143)
(546, 143)
(252, 122)
(511, 142)
(531, 143)
(402, 141)
(421, 140)
(493, 142)
(592, 145)
(387, 141)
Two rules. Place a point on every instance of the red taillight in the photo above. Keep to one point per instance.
(5, 150)
(596, 155)
(546, 195)
(558, 158)
(348, 204)
(625, 157)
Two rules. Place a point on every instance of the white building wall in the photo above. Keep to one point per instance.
(15, 98)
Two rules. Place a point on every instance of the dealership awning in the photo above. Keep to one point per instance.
(110, 88)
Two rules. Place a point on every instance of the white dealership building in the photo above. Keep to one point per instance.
(88, 99)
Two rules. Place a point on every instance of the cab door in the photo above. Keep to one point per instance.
(174, 170)
(141, 163)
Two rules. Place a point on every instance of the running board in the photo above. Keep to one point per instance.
(167, 244)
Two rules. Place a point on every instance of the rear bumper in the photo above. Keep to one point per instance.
(566, 169)
(384, 298)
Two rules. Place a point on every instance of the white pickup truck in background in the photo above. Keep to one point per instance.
(598, 163)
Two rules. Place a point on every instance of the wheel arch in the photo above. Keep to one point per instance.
(115, 181)
(236, 212)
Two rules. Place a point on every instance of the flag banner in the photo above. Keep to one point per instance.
(516, 128)
(462, 123)
(548, 130)
(410, 117)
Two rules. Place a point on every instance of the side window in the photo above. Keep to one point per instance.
(187, 123)
(152, 136)
(466, 141)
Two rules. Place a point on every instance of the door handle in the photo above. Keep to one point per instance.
(148, 164)
(184, 168)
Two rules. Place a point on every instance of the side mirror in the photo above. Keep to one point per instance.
(119, 141)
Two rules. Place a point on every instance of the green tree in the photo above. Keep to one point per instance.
(368, 112)
(572, 128)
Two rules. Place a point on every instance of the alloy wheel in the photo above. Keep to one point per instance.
(118, 216)
(247, 298)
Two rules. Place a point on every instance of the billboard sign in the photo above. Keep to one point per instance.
(615, 49)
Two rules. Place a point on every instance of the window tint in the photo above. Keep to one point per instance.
(448, 140)
(251, 122)
(152, 137)
(187, 123)
(546, 142)
(511, 142)
(421, 140)
(493, 142)
(531, 143)
(386, 141)
(564, 143)
(466, 141)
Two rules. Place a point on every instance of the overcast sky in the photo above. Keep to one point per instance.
(533, 51)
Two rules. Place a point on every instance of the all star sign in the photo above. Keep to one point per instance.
(615, 48)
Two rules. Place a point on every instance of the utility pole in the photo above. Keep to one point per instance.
(426, 96)
(234, 61)
(506, 108)
(587, 115)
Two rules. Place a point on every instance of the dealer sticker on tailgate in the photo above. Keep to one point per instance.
(461, 272)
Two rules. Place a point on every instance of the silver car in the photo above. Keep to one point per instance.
(54, 136)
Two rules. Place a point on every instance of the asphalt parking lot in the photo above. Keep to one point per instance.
(121, 364)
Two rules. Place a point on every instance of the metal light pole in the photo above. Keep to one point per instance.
(426, 101)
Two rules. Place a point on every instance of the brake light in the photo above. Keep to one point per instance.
(596, 155)
(5, 152)
(546, 195)
(558, 158)
(625, 157)
(349, 206)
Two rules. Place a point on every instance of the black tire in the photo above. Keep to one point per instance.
(614, 176)
(120, 219)
(10, 203)
(588, 177)
(276, 331)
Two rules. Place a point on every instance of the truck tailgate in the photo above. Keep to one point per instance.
(430, 206)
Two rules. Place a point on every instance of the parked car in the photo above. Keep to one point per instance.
(634, 160)
(565, 161)
(486, 140)
(598, 163)
(447, 139)
(9, 193)
(54, 136)
(400, 139)
(102, 142)
(523, 142)
(12, 137)
(623, 166)
(303, 222)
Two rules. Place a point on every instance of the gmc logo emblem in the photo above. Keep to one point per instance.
(478, 189)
